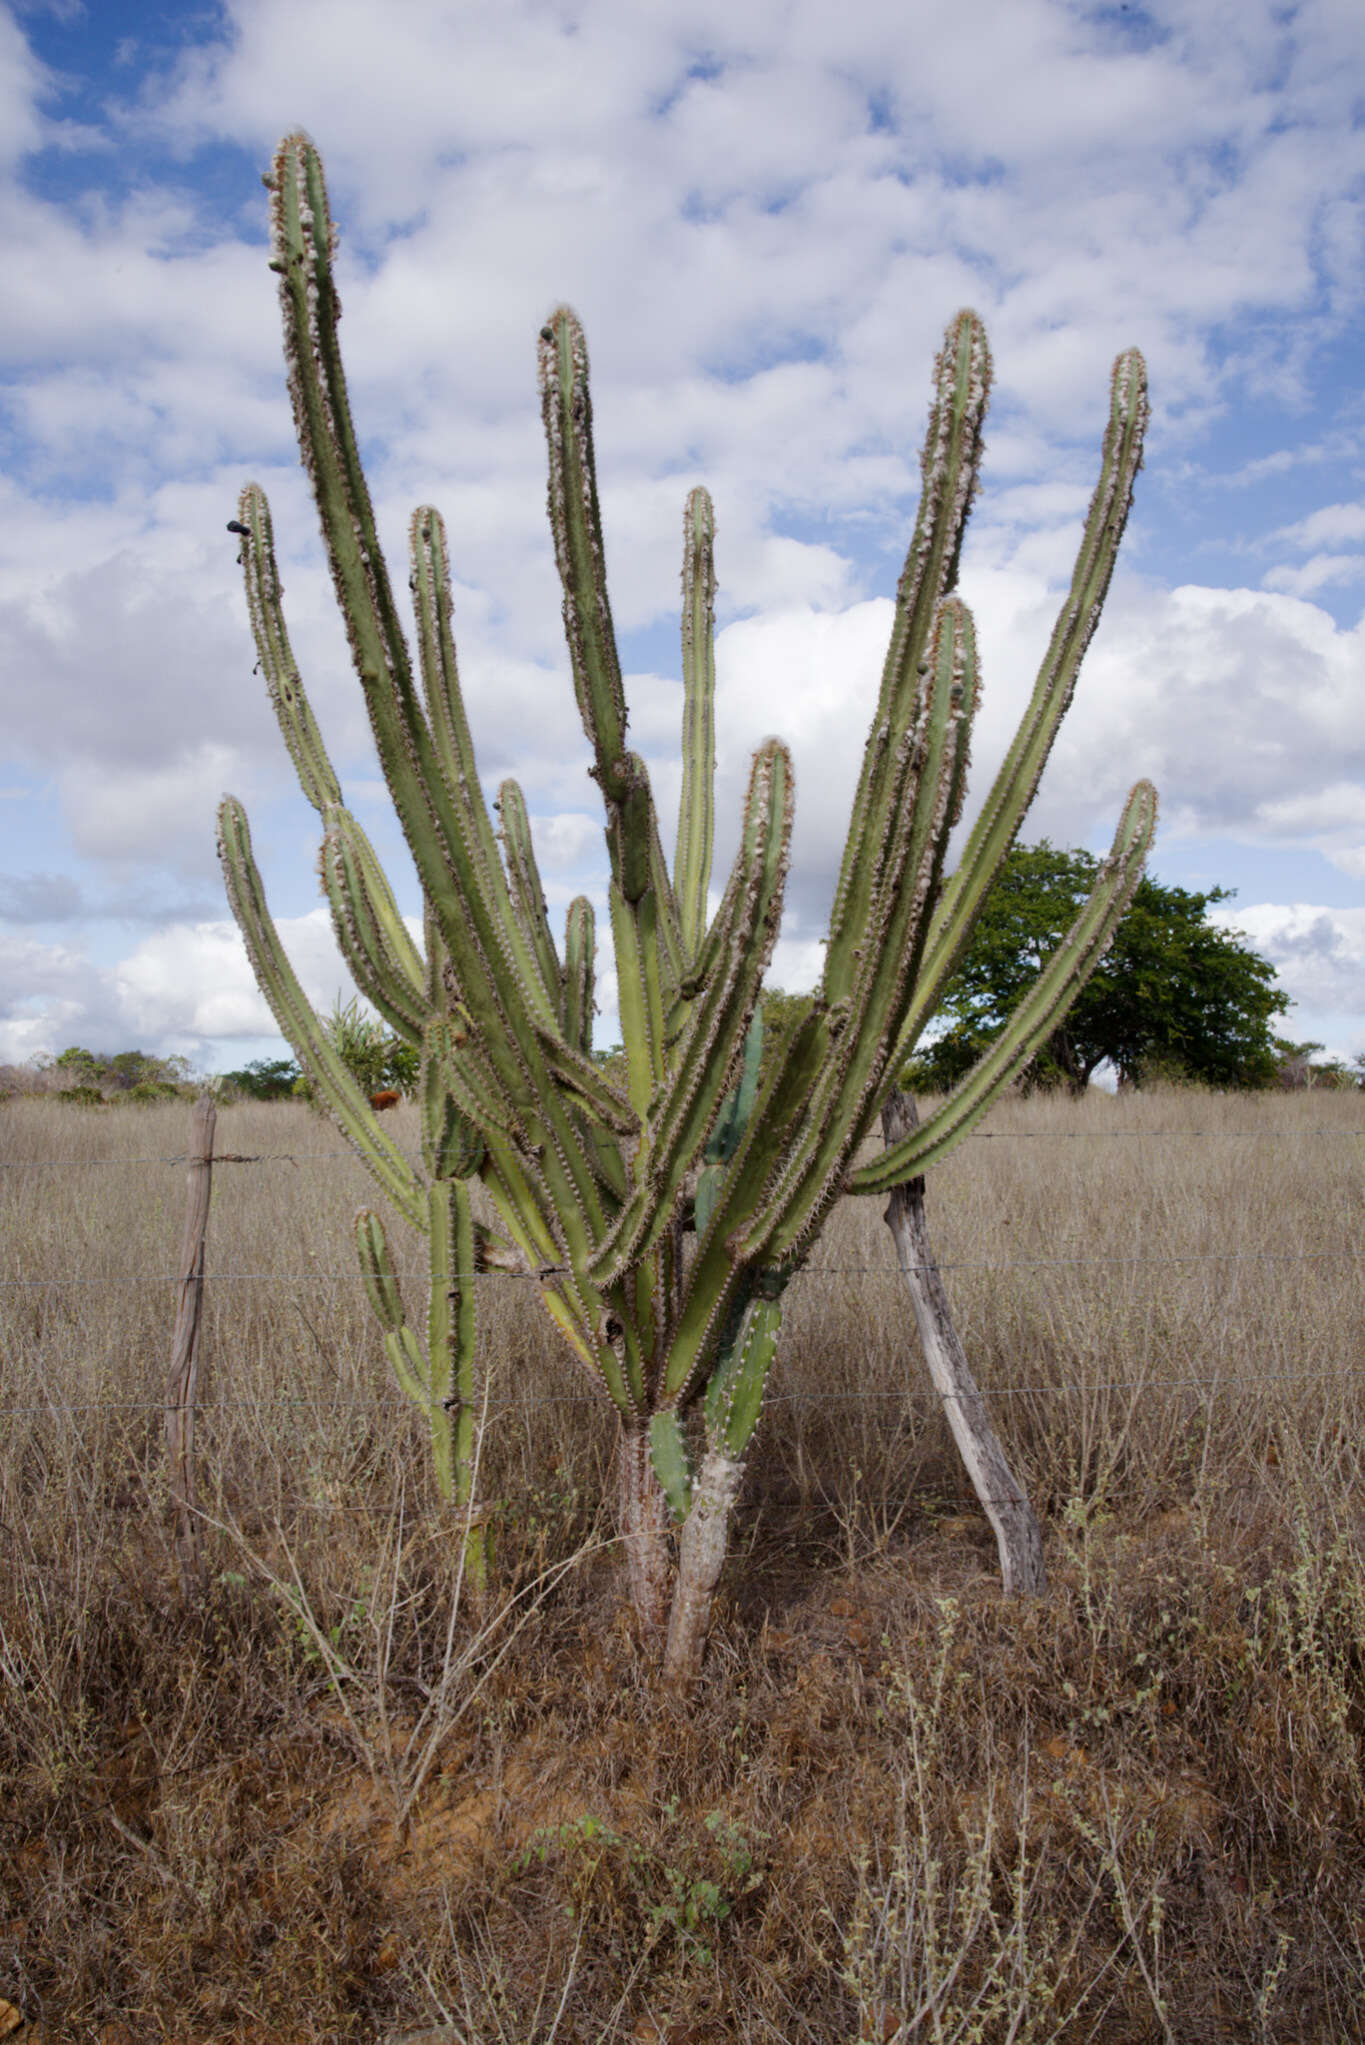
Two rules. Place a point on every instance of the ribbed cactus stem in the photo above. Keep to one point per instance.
(281, 671)
(458, 767)
(450, 1349)
(683, 1110)
(275, 976)
(580, 945)
(369, 932)
(949, 464)
(672, 1462)
(1017, 780)
(696, 808)
(580, 555)
(528, 896)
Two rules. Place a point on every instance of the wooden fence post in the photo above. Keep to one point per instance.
(182, 1384)
(1018, 1536)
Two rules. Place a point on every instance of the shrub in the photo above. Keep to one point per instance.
(264, 1079)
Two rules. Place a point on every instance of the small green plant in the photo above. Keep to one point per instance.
(309, 1638)
(371, 1053)
(692, 1904)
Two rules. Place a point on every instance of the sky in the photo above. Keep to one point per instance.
(765, 214)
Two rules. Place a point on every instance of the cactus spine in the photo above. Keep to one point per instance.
(663, 1220)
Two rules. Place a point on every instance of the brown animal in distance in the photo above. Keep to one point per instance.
(388, 1098)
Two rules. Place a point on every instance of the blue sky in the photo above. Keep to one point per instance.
(765, 216)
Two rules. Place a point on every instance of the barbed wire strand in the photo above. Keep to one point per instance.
(292, 1157)
(549, 1275)
(925, 1394)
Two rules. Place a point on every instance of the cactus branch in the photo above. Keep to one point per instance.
(264, 607)
(370, 934)
(949, 464)
(580, 949)
(527, 894)
(683, 1112)
(696, 808)
(1016, 782)
(293, 1012)
(1041, 1010)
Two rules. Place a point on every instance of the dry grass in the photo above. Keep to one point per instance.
(329, 1800)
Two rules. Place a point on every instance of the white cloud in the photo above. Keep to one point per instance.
(1234, 702)
(1319, 955)
(1321, 571)
(1333, 525)
(765, 216)
(196, 981)
(1334, 522)
(184, 987)
(1247, 710)
(22, 82)
(48, 989)
(811, 678)
(567, 839)
(797, 965)
(149, 813)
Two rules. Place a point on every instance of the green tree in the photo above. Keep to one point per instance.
(264, 1079)
(1175, 997)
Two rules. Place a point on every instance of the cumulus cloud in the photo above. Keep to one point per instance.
(1319, 572)
(812, 679)
(39, 898)
(1242, 706)
(1333, 522)
(1247, 710)
(49, 990)
(1333, 526)
(1319, 955)
(566, 840)
(765, 217)
(187, 987)
(196, 981)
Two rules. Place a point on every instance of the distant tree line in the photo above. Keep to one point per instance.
(93, 1078)
(1177, 999)
(378, 1061)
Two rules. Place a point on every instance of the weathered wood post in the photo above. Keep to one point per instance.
(182, 1385)
(1017, 1533)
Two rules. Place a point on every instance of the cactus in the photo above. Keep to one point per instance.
(662, 1219)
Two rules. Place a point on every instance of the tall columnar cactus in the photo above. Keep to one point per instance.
(663, 1218)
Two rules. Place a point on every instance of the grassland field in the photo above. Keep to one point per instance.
(327, 1796)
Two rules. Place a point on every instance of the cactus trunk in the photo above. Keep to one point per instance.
(642, 1517)
(701, 1557)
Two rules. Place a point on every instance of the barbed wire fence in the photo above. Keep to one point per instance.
(181, 1406)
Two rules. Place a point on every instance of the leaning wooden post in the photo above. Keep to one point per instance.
(182, 1384)
(1017, 1533)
